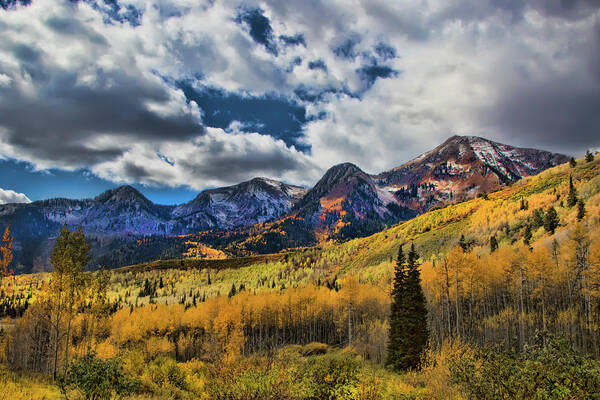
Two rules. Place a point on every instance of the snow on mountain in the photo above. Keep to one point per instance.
(461, 168)
(247, 203)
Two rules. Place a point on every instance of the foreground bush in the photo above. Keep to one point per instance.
(96, 379)
(548, 369)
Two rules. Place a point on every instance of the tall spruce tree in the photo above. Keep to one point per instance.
(551, 220)
(493, 244)
(527, 234)
(580, 210)
(572, 198)
(408, 334)
(589, 156)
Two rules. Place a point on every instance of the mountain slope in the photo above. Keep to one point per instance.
(247, 203)
(122, 214)
(347, 203)
(461, 168)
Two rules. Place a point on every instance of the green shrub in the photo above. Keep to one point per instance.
(256, 378)
(164, 376)
(332, 376)
(548, 369)
(95, 378)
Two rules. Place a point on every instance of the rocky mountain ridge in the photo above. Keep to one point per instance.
(345, 203)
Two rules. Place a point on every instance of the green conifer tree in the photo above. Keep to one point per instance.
(573, 163)
(462, 242)
(572, 198)
(493, 244)
(408, 318)
(538, 218)
(527, 234)
(233, 291)
(580, 210)
(551, 221)
(589, 156)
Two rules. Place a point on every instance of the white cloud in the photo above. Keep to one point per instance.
(216, 158)
(467, 67)
(10, 196)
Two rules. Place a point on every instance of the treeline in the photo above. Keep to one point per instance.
(216, 329)
(506, 295)
(14, 305)
(247, 323)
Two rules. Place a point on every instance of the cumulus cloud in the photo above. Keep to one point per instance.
(86, 85)
(10, 196)
(213, 159)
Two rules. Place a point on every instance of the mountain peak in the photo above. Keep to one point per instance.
(125, 193)
(347, 166)
(342, 170)
(462, 167)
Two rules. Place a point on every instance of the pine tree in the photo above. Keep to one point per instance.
(589, 157)
(233, 291)
(538, 218)
(463, 243)
(493, 244)
(408, 334)
(551, 221)
(527, 234)
(524, 204)
(573, 163)
(396, 317)
(572, 198)
(580, 210)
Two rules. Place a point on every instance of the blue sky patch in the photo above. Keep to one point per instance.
(12, 4)
(268, 115)
(80, 184)
(370, 73)
(259, 28)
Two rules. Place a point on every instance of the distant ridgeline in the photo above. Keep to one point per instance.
(266, 216)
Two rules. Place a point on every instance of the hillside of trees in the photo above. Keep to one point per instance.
(509, 285)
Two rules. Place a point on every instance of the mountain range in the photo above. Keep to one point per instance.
(264, 215)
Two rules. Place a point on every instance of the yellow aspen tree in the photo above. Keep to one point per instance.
(6, 254)
(540, 267)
